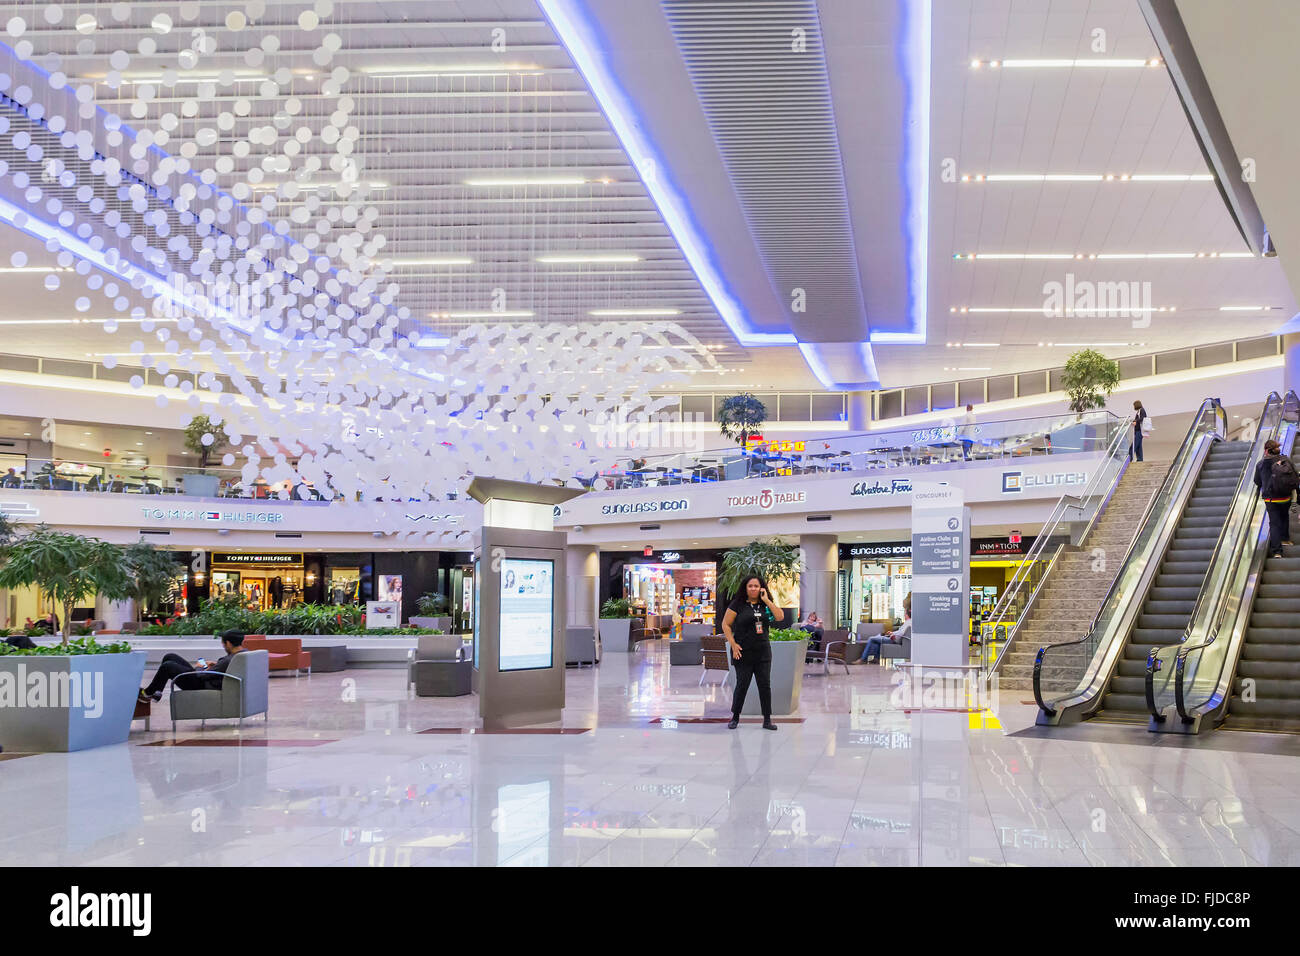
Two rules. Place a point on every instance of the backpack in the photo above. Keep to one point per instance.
(1282, 478)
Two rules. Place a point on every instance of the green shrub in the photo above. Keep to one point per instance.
(83, 646)
(432, 605)
(615, 608)
(218, 616)
(788, 634)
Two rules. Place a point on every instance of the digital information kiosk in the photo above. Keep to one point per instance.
(519, 603)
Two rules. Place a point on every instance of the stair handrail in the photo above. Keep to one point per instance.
(1237, 574)
(1117, 448)
(1187, 450)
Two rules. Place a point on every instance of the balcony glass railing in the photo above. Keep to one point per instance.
(116, 478)
(951, 441)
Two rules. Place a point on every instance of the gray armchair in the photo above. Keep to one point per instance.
(902, 651)
(243, 692)
(438, 668)
(688, 650)
(866, 630)
(580, 646)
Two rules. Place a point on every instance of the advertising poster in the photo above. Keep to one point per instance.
(527, 608)
(390, 588)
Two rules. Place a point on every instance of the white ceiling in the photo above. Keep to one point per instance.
(423, 137)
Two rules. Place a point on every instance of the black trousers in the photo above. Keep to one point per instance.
(168, 669)
(1279, 521)
(748, 668)
(1137, 444)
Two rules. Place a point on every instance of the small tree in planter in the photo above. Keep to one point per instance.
(772, 560)
(199, 428)
(741, 416)
(69, 568)
(1088, 379)
(615, 609)
(152, 573)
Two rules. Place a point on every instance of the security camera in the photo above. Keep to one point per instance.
(724, 521)
(577, 527)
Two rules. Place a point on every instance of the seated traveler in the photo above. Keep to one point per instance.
(175, 667)
(814, 626)
(872, 650)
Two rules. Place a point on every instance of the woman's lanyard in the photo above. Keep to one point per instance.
(758, 618)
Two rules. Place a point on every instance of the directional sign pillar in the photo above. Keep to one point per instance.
(940, 575)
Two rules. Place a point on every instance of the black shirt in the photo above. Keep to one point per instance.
(745, 629)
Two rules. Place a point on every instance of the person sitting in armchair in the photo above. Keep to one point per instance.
(872, 651)
(814, 626)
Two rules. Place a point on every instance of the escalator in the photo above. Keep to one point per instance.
(1152, 597)
(1169, 603)
(1237, 665)
(1266, 687)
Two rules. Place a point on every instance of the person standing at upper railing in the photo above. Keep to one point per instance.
(968, 428)
(1276, 479)
(1141, 426)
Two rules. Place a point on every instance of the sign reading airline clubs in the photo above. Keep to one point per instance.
(940, 575)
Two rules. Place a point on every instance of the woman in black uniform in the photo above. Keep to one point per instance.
(747, 626)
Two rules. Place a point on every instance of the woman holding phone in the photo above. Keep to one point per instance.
(747, 626)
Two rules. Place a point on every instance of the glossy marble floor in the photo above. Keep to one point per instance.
(351, 772)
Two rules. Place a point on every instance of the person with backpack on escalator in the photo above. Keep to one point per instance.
(1276, 479)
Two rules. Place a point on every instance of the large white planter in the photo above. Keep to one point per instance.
(60, 703)
(615, 634)
(787, 679)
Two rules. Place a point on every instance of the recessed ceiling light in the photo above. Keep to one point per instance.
(1249, 308)
(426, 69)
(404, 263)
(1102, 255)
(1102, 63)
(1086, 177)
(503, 314)
(579, 257)
(972, 345)
(527, 181)
(1067, 310)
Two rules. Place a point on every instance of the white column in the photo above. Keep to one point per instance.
(582, 565)
(113, 613)
(1291, 362)
(817, 580)
(859, 413)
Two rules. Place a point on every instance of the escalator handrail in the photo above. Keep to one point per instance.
(1185, 452)
(1291, 406)
(1232, 534)
(1049, 533)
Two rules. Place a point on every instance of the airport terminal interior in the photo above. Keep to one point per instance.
(692, 433)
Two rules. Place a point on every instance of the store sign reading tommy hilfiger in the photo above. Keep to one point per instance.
(645, 507)
(198, 514)
(278, 560)
(766, 499)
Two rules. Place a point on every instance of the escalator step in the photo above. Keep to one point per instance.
(1281, 672)
(1158, 593)
(1264, 708)
(1129, 686)
(1268, 620)
(1175, 621)
(1124, 703)
(1256, 651)
(1271, 635)
(1278, 605)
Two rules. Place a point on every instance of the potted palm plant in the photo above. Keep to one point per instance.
(75, 694)
(204, 438)
(616, 625)
(432, 608)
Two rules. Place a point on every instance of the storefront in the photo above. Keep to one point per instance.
(670, 595)
(874, 578)
(259, 580)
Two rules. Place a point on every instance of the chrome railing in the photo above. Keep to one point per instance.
(1094, 654)
(118, 478)
(1036, 567)
(1199, 683)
